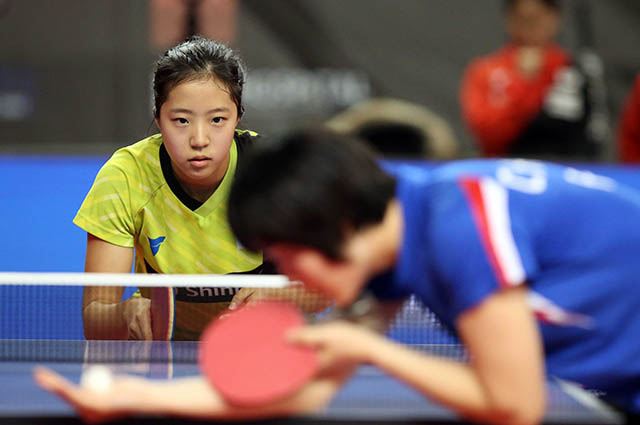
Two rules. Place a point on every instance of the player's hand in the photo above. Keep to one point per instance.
(137, 315)
(242, 297)
(92, 406)
(337, 342)
(254, 295)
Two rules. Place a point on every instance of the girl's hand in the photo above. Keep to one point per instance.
(306, 300)
(137, 315)
(93, 406)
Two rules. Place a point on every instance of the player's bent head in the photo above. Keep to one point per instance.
(198, 58)
(311, 188)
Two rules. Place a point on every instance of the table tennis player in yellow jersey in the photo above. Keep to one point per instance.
(163, 199)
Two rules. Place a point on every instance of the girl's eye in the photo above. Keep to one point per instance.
(218, 120)
(181, 120)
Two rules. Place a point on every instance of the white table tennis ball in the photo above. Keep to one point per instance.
(97, 378)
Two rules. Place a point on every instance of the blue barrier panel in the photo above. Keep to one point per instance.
(39, 196)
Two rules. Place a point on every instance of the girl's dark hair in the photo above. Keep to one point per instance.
(194, 59)
(311, 188)
(551, 4)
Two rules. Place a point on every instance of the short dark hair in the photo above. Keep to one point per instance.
(197, 58)
(551, 4)
(309, 188)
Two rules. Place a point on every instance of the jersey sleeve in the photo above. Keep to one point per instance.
(106, 212)
(479, 247)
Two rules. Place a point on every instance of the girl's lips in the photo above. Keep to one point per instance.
(199, 161)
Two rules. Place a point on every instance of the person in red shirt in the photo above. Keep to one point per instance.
(629, 127)
(528, 98)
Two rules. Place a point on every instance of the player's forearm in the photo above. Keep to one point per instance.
(104, 321)
(452, 384)
(195, 398)
(187, 397)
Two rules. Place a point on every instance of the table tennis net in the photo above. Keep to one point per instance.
(33, 312)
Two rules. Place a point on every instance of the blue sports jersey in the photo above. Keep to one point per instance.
(573, 237)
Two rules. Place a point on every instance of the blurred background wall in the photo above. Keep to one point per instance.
(74, 74)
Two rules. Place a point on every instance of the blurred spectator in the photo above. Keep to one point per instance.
(529, 98)
(397, 128)
(629, 127)
(172, 21)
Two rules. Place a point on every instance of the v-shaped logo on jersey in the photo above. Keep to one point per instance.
(154, 244)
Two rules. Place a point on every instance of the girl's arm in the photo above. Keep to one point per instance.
(104, 313)
(185, 397)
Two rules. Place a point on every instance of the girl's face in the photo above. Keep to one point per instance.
(197, 122)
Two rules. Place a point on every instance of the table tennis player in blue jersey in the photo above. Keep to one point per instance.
(532, 265)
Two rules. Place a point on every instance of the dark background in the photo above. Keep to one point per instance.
(75, 74)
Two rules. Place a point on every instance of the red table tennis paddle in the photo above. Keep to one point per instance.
(247, 358)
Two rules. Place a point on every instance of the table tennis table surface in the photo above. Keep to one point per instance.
(369, 397)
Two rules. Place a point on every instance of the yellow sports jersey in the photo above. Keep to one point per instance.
(136, 202)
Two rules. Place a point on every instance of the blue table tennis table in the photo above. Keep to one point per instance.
(369, 397)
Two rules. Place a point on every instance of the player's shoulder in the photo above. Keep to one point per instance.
(136, 166)
(453, 186)
(433, 190)
(453, 171)
(439, 178)
(140, 155)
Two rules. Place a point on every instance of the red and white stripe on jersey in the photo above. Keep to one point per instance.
(548, 312)
(489, 203)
